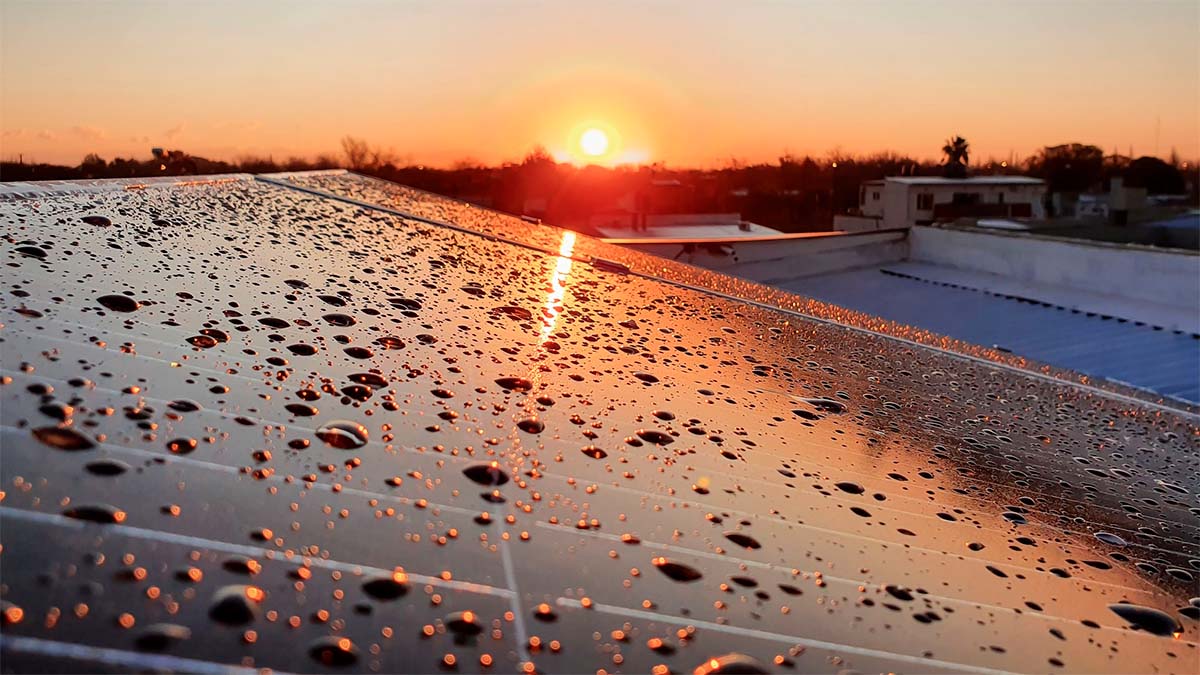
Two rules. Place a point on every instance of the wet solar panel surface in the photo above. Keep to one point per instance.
(246, 425)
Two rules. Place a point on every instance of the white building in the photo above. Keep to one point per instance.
(905, 201)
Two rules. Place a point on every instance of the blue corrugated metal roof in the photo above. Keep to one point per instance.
(1158, 360)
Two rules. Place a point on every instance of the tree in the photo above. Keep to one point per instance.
(1071, 167)
(1157, 176)
(93, 166)
(358, 154)
(956, 151)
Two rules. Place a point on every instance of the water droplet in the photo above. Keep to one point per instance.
(301, 410)
(852, 488)
(676, 570)
(463, 623)
(203, 341)
(96, 513)
(594, 452)
(334, 650)
(519, 313)
(182, 446)
(387, 587)
(31, 251)
(1110, 538)
(486, 473)
(119, 303)
(655, 436)
(389, 342)
(1148, 619)
(343, 435)
(742, 539)
(159, 637)
(183, 405)
(107, 467)
(531, 425)
(63, 438)
(545, 612)
(826, 404)
(236, 604)
(515, 383)
(731, 663)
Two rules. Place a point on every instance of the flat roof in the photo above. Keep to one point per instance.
(973, 180)
(1056, 326)
(326, 423)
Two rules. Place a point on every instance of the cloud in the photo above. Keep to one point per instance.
(47, 135)
(89, 133)
(13, 133)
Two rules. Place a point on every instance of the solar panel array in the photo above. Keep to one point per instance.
(281, 424)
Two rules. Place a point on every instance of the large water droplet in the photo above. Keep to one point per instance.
(742, 539)
(63, 438)
(387, 587)
(1148, 619)
(334, 650)
(236, 604)
(159, 637)
(463, 623)
(486, 473)
(96, 513)
(730, 664)
(343, 435)
(515, 383)
(119, 303)
(676, 570)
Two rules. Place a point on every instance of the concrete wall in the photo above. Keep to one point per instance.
(664, 219)
(776, 260)
(896, 205)
(1160, 277)
(856, 223)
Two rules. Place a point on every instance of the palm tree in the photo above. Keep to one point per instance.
(956, 150)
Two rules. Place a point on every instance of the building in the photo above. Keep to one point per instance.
(904, 201)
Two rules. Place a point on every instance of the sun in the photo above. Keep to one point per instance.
(593, 142)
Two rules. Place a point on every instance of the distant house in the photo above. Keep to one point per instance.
(904, 201)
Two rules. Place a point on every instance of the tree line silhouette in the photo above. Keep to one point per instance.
(795, 193)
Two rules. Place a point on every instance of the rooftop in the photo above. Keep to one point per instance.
(973, 180)
(315, 423)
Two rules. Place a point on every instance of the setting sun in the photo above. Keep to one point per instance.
(593, 142)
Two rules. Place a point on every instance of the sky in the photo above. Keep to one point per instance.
(684, 83)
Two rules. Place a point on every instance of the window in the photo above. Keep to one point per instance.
(1001, 200)
(875, 196)
(925, 202)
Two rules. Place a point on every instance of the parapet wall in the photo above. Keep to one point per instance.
(782, 258)
(1122, 271)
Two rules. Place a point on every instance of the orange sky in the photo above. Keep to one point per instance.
(687, 83)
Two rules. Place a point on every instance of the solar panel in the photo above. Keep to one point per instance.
(256, 424)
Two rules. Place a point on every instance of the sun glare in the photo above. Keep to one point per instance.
(593, 142)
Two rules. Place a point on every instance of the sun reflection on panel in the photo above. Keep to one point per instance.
(558, 286)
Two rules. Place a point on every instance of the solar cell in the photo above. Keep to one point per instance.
(248, 425)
